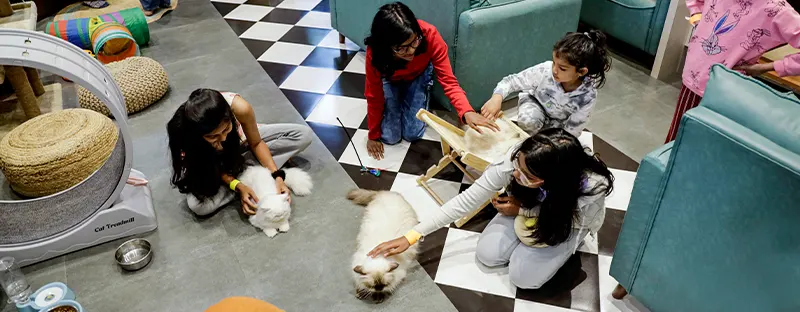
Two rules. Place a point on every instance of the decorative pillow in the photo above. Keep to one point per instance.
(142, 80)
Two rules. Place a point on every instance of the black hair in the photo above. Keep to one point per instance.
(393, 24)
(197, 167)
(586, 49)
(557, 157)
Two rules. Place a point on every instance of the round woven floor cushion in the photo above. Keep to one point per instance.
(55, 151)
(142, 80)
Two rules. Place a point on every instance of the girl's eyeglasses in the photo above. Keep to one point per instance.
(406, 48)
(524, 180)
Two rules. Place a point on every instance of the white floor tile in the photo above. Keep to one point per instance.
(311, 79)
(316, 20)
(607, 284)
(230, 1)
(286, 53)
(248, 12)
(351, 111)
(305, 5)
(332, 41)
(623, 186)
(357, 64)
(393, 154)
(587, 139)
(459, 268)
(530, 306)
(266, 31)
(419, 198)
(431, 135)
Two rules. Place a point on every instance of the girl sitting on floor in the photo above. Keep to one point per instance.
(211, 134)
(559, 93)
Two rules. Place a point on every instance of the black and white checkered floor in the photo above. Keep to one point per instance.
(323, 79)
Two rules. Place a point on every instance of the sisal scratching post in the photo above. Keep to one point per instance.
(33, 79)
(5, 8)
(25, 96)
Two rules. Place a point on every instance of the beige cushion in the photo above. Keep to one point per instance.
(142, 80)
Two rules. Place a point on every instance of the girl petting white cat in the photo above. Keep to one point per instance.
(559, 93)
(556, 194)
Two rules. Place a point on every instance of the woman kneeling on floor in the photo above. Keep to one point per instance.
(210, 138)
(403, 54)
(555, 197)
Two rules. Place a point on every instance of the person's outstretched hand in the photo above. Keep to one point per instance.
(755, 70)
(390, 248)
(491, 109)
(473, 120)
(375, 149)
(249, 199)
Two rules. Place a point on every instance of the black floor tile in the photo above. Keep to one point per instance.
(239, 27)
(303, 102)
(612, 156)
(329, 58)
(332, 136)
(575, 285)
(349, 84)
(278, 72)
(323, 6)
(466, 300)
(284, 16)
(368, 181)
(608, 234)
(271, 3)
(430, 251)
(305, 35)
(256, 47)
(224, 8)
(364, 124)
(424, 154)
(479, 222)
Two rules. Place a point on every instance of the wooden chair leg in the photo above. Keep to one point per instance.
(341, 38)
(432, 171)
(619, 292)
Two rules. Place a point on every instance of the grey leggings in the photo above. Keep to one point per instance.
(283, 140)
(528, 267)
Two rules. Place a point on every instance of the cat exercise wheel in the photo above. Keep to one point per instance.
(453, 147)
(100, 208)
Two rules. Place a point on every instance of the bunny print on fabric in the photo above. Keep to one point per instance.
(711, 44)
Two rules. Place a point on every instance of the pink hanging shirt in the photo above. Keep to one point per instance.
(738, 32)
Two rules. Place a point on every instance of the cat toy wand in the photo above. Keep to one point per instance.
(374, 172)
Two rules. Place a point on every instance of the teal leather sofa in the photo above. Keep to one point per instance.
(487, 39)
(712, 223)
(636, 22)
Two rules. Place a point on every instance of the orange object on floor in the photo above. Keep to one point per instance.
(243, 304)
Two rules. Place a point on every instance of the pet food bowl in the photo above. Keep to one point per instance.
(134, 254)
(65, 306)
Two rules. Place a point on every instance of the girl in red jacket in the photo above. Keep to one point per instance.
(403, 55)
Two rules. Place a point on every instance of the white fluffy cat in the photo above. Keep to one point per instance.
(388, 216)
(273, 210)
(491, 144)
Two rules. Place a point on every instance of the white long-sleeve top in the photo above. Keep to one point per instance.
(497, 176)
(540, 93)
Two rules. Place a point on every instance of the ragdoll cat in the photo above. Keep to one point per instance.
(388, 216)
(491, 144)
(273, 210)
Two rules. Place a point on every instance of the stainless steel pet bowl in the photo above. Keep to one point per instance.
(134, 254)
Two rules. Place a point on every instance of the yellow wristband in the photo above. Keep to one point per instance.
(233, 184)
(412, 237)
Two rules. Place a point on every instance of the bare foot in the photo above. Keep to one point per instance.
(148, 13)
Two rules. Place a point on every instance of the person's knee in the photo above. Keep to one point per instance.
(412, 137)
(525, 279)
(305, 135)
(489, 255)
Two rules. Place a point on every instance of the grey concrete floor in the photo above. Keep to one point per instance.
(198, 262)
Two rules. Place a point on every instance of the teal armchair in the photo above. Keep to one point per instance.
(487, 40)
(636, 22)
(712, 220)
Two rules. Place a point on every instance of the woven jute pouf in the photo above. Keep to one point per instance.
(142, 80)
(55, 151)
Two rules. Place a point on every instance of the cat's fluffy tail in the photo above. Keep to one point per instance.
(361, 196)
(298, 181)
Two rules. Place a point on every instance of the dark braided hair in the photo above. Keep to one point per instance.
(586, 50)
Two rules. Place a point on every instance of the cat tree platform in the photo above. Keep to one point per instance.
(455, 152)
(24, 81)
